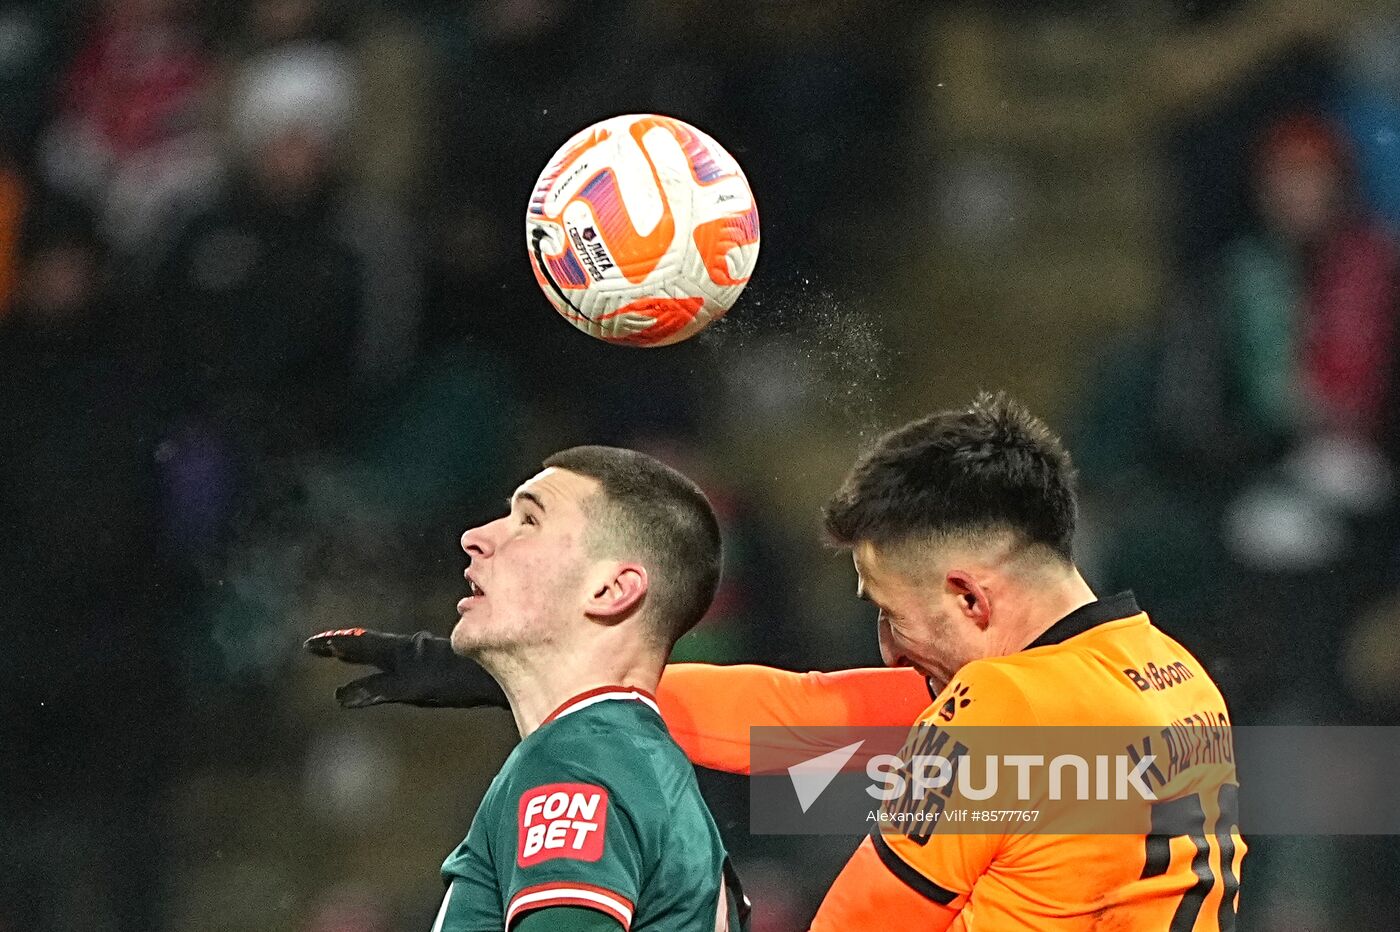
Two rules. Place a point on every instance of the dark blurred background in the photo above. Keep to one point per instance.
(269, 342)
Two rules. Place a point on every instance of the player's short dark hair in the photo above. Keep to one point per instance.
(992, 467)
(656, 515)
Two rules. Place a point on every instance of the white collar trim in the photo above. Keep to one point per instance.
(610, 696)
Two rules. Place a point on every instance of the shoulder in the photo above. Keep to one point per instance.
(593, 747)
(574, 790)
(984, 692)
(1040, 686)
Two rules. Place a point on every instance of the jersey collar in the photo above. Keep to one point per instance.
(604, 694)
(1113, 608)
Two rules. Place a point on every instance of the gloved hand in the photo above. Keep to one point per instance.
(418, 669)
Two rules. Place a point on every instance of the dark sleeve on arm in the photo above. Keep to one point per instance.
(566, 919)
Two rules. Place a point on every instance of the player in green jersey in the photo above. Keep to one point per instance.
(595, 821)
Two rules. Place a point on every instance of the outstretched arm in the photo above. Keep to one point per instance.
(709, 709)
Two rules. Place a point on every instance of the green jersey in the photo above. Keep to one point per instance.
(598, 808)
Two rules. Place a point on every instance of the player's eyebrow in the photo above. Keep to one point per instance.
(527, 496)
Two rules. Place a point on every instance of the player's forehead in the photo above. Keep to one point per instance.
(552, 486)
(869, 579)
(883, 572)
(871, 560)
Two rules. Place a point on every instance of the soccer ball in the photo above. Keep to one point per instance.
(642, 230)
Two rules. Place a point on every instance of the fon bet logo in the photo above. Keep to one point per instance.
(562, 820)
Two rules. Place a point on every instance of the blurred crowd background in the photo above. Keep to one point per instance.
(269, 342)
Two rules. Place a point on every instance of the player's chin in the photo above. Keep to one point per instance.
(468, 635)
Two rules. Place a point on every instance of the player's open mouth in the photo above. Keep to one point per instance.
(476, 594)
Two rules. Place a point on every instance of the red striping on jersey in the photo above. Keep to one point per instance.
(569, 893)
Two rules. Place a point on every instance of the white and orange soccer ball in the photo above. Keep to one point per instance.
(642, 230)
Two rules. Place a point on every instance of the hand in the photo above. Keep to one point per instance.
(418, 669)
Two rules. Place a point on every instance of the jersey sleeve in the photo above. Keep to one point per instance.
(709, 709)
(943, 866)
(572, 832)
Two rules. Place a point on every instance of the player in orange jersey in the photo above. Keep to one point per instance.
(960, 526)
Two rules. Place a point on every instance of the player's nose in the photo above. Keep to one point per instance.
(476, 542)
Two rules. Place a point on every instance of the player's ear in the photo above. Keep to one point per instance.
(971, 598)
(615, 593)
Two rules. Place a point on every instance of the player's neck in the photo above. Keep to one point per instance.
(539, 683)
(1051, 603)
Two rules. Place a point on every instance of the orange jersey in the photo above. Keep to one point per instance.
(1102, 665)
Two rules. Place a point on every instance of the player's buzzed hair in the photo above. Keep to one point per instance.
(990, 468)
(651, 513)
